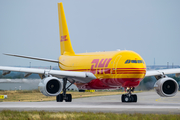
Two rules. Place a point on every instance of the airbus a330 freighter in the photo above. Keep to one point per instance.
(97, 70)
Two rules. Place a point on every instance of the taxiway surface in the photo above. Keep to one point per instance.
(148, 102)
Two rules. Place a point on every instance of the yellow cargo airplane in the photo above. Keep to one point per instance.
(97, 70)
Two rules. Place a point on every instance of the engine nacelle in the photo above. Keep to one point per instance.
(166, 87)
(50, 86)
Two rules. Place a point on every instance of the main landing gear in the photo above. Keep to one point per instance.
(64, 96)
(129, 97)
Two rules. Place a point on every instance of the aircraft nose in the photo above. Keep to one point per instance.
(140, 68)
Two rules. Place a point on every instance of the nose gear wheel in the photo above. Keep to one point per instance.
(129, 97)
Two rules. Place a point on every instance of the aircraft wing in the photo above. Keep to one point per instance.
(83, 77)
(163, 72)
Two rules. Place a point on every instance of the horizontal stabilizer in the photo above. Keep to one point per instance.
(30, 57)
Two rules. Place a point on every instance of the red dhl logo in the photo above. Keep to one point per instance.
(63, 38)
(100, 63)
(99, 66)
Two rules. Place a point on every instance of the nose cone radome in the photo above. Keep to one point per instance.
(132, 65)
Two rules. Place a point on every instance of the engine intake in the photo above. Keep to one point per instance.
(50, 86)
(166, 87)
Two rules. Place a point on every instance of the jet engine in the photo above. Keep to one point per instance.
(166, 87)
(50, 86)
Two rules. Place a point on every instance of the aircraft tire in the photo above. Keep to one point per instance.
(134, 98)
(59, 98)
(122, 98)
(68, 98)
(127, 98)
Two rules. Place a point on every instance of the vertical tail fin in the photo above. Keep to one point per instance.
(65, 42)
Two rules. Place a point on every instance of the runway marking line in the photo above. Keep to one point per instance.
(158, 100)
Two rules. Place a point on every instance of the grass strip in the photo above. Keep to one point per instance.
(42, 115)
(35, 95)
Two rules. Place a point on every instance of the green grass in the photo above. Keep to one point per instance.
(42, 115)
(35, 95)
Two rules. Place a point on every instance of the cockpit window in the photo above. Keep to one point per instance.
(127, 61)
(134, 61)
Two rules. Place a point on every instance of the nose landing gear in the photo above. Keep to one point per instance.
(129, 97)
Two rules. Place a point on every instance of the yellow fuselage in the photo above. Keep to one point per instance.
(112, 69)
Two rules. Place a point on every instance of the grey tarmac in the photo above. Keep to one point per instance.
(148, 102)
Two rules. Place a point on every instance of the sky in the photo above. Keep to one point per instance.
(149, 27)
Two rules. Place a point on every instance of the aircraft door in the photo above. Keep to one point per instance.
(115, 64)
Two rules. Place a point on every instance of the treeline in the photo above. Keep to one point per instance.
(17, 75)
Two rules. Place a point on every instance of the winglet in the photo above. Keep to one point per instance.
(65, 43)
